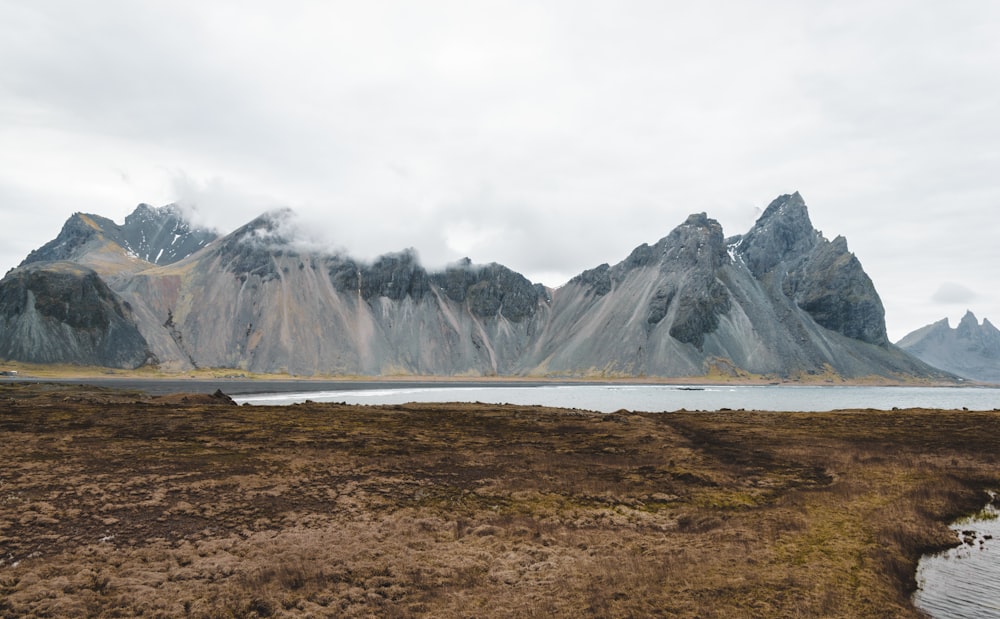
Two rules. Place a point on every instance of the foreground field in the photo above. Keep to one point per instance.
(116, 504)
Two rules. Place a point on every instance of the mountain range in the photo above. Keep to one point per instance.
(779, 300)
(969, 350)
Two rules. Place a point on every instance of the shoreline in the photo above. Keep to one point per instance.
(238, 382)
(239, 386)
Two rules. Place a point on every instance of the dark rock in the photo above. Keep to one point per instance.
(345, 274)
(597, 279)
(782, 231)
(692, 253)
(251, 249)
(659, 304)
(490, 290)
(831, 285)
(641, 256)
(395, 276)
(222, 398)
(787, 254)
(457, 279)
(60, 312)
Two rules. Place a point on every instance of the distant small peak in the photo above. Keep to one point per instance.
(968, 326)
(969, 319)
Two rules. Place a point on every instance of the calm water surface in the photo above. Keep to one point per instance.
(964, 582)
(656, 398)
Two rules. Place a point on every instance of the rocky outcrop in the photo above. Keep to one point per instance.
(61, 312)
(970, 350)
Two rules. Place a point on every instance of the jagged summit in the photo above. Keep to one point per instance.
(148, 235)
(970, 350)
(162, 235)
(779, 297)
(783, 231)
(968, 326)
(822, 277)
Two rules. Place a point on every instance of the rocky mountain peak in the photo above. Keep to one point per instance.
(968, 325)
(696, 242)
(72, 241)
(161, 235)
(157, 235)
(782, 232)
(786, 206)
(273, 228)
(251, 248)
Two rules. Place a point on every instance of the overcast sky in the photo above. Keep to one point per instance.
(546, 136)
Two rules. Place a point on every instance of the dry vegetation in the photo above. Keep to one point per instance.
(118, 505)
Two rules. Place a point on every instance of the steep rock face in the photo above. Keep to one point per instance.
(61, 312)
(491, 291)
(395, 277)
(970, 350)
(781, 234)
(695, 251)
(826, 280)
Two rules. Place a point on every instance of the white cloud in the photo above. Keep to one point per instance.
(547, 136)
(950, 293)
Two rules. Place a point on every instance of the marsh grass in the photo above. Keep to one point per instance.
(115, 504)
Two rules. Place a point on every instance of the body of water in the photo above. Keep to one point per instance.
(608, 398)
(964, 582)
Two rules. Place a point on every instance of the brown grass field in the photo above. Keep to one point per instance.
(116, 504)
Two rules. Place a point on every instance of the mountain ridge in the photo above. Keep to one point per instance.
(778, 300)
(969, 350)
